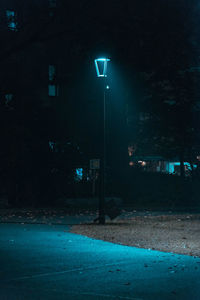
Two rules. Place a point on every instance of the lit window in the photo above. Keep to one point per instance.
(79, 174)
(11, 20)
(51, 145)
(52, 90)
(8, 98)
(52, 3)
(52, 72)
(53, 87)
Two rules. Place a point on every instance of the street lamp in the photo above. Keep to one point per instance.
(101, 65)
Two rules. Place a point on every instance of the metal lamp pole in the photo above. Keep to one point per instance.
(102, 73)
(103, 163)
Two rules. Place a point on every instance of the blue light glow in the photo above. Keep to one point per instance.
(79, 174)
(101, 66)
(102, 59)
(52, 90)
(52, 72)
(171, 166)
(11, 20)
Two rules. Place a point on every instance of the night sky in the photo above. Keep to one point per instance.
(154, 52)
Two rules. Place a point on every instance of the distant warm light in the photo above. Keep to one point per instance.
(143, 163)
(131, 163)
(130, 150)
(101, 66)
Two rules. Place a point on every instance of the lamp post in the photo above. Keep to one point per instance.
(101, 69)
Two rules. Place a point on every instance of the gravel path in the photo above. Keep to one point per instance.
(178, 233)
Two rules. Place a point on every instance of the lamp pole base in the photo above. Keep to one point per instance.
(102, 220)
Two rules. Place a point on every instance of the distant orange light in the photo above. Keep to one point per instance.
(143, 163)
(131, 163)
(130, 150)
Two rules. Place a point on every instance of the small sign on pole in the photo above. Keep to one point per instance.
(95, 164)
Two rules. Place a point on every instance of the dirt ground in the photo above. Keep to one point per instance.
(169, 233)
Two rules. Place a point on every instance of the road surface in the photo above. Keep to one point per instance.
(41, 261)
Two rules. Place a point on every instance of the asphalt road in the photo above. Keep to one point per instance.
(47, 262)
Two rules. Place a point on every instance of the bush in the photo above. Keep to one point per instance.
(160, 191)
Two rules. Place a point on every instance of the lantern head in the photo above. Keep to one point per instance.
(101, 66)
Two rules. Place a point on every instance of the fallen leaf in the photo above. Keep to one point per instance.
(127, 283)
